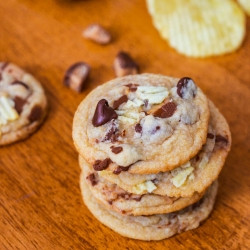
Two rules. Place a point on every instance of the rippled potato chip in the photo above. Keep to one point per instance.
(198, 28)
(245, 4)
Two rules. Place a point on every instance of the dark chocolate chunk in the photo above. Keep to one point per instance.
(220, 138)
(210, 136)
(138, 128)
(19, 103)
(92, 179)
(120, 101)
(110, 134)
(132, 87)
(21, 83)
(35, 113)
(120, 169)
(166, 111)
(76, 75)
(137, 198)
(198, 203)
(125, 65)
(103, 113)
(116, 150)
(100, 165)
(182, 86)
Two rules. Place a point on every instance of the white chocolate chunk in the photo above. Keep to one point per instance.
(154, 95)
(136, 103)
(126, 157)
(7, 111)
(151, 89)
(148, 186)
(156, 98)
(181, 176)
(126, 120)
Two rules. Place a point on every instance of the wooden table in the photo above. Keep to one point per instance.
(40, 200)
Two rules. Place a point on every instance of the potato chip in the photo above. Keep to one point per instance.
(199, 28)
(245, 4)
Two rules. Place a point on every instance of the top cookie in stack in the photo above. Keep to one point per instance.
(150, 145)
(157, 122)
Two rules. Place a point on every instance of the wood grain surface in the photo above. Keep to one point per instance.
(40, 200)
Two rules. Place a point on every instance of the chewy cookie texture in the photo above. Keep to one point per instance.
(23, 104)
(151, 148)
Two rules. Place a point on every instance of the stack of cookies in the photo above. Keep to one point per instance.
(150, 148)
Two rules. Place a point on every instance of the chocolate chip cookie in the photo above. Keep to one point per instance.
(125, 203)
(144, 124)
(193, 176)
(152, 227)
(23, 104)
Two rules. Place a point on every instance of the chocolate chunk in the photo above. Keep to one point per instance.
(198, 203)
(35, 114)
(182, 83)
(138, 128)
(120, 169)
(220, 138)
(138, 198)
(146, 103)
(110, 134)
(21, 83)
(125, 65)
(132, 87)
(92, 179)
(97, 33)
(103, 113)
(166, 111)
(19, 103)
(120, 101)
(210, 136)
(100, 165)
(116, 150)
(185, 91)
(76, 75)
(114, 137)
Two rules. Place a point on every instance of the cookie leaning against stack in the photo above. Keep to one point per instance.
(150, 148)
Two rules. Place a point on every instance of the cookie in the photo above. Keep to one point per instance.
(23, 104)
(146, 123)
(152, 227)
(193, 176)
(119, 200)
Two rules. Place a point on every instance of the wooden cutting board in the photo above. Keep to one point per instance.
(40, 200)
